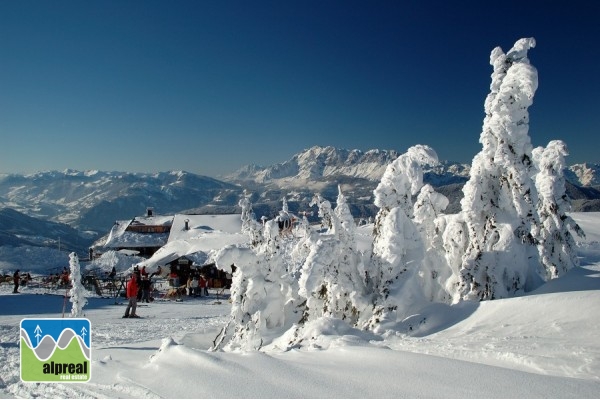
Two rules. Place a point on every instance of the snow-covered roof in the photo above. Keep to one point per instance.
(154, 220)
(227, 223)
(205, 234)
(120, 237)
(116, 231)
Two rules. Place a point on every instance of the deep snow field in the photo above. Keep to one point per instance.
(545, 344)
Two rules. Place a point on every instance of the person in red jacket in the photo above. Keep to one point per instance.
(203, 286)
(132, 292)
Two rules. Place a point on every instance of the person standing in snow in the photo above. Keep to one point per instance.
(189, 286)
(195, 286)
(145, 287)
(203, 286)
(132, 292)
(16, 279)
(138, 280)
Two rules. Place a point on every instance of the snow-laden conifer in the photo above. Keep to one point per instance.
(301, 248)
(557, 246)
(330, 281)
(500, 197)
(455, 239)
(347, 226)
(250, 226)
(397, 245)
(77, 292)
(247, 299)
(263, 294)
(430, 222)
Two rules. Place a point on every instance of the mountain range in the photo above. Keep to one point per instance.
(80, 206)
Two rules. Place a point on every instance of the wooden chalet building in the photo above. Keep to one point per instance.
(142, 235)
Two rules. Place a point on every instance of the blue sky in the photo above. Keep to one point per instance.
(210, 86)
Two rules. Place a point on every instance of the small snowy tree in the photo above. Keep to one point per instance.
(455, 239)
(77, 290)
(500, 197)
(250, 226)
(347, 227)
(430, 222)
(301, 248)
(557, 246)
(242, 330)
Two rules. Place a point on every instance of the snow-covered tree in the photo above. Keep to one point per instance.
(301, 248)
(397, 246)
(250, 226)
(455, 239)
(78, 291)
(347, 226)
(403, 178)
(247, 299)
(500, 197)
(263, 293)
(557, 246)
(430, 222)
(330, 281)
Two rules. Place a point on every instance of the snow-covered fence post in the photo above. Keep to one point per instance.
(77, 290)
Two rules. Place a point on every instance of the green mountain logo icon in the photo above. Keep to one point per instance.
(61, 355)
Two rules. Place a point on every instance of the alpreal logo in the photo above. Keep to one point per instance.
(56, 350)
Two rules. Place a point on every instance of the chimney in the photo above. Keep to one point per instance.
(187, 224)
(149, 211)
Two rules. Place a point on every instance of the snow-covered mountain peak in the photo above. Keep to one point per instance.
(319, 163)
(314, 163)
(586, 174)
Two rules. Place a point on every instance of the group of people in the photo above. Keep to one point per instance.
(138, 288)
(59, 279)
(197, 285)
(62, 279)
